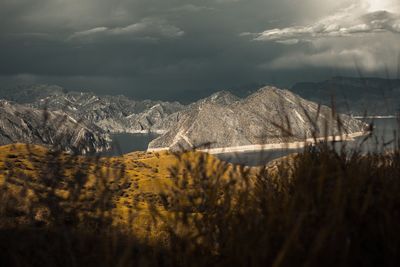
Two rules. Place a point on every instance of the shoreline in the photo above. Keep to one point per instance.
(375, 117)
(273, 146)
(141, 132)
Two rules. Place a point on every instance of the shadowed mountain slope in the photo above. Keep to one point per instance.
(20, 123)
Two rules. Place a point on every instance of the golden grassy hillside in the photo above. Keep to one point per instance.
(321, 207)
(127, 190)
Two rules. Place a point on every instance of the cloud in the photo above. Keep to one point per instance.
(356, 36)
(227, 1)
(346, 58)
(146, 28)
(368, 54)
(89, 32)
(339, 25)
(191, 8)
(190, 45)
(376, 5)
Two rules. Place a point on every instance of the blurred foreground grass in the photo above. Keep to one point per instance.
(321, 207)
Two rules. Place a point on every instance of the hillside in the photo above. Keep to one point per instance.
(114, 114)
(169, 209)
(20, 123)
(126, 188)
(270, 115)
(221, 98)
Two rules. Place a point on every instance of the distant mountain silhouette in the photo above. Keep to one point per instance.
(356, 96)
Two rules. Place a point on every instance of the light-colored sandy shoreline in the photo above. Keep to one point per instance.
(262, 147)
(375, 117)
(157, 132)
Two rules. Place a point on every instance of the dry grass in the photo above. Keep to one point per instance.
(118, 191)
(322, 207)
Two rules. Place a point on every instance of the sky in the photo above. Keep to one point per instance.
(185, 49)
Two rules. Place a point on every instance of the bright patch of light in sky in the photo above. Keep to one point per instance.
(388, 5)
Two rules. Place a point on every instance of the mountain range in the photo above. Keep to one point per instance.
(355, 96)
(269, 115)
(19, 123)
(113, 114)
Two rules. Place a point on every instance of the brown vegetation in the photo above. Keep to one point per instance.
(323, 207)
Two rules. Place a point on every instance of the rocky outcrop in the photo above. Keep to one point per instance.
(19, 123)
(268, 116)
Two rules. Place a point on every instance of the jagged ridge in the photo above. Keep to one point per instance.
(114, 114)
(20, 123)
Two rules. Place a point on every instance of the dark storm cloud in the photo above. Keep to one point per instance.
(175, 49)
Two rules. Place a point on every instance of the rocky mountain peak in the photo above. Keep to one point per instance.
(220, 97)
(268, 90)
(270, 115)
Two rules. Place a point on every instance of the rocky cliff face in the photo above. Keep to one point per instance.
(222, 98)
(114, 114)
(270, 115)
(19, 123)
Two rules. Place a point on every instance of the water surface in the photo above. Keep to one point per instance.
(383, 139)
(124, 143)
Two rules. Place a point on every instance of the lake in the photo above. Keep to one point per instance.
(383, 139)
(124, 143)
